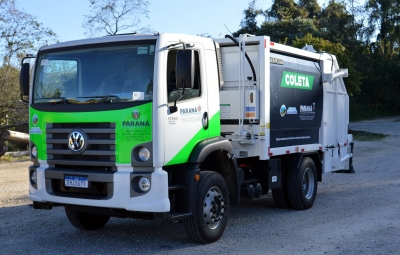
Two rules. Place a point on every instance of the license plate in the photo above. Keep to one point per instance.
(76, 181)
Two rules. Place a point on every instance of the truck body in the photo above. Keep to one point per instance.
(176, 127)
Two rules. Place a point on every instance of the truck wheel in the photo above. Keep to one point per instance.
(280, 195)
(212, 209)
(303, 185)
(86, 221)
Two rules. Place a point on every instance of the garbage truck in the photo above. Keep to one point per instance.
(177, 128)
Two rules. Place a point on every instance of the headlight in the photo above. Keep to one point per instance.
(34, 151)
(144, 184)
(144, 154)
(33, 177)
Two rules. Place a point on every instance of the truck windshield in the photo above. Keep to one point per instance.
(95, 75)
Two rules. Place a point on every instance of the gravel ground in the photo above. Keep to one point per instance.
(353, 214)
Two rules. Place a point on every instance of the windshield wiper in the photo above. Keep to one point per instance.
(53, 100)
(105, 99)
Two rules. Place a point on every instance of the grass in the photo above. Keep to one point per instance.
(366, 136)
(9, 158)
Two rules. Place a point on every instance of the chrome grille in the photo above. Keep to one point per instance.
(100, 149)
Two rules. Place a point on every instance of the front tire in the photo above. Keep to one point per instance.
(302, 185)
(85, 220)
(212, 209)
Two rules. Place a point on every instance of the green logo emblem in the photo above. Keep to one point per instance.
(297, 81)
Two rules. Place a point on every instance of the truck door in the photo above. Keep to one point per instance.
(335, 125)
(189, 124)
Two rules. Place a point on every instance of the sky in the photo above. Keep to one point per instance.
(65, 17)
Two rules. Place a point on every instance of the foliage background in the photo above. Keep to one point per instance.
(20, 33)
(364, 36)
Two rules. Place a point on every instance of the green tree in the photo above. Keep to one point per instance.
(381, 86)
(365, 39)
(285, 31)
(285, 9)
(110, 17)
(249, 23)
(335, 21)
(384, 17)
(13, 112)
(20, 33)
(311, 6)
(343, 56)
(284, 21)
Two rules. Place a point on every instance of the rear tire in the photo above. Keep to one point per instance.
(85, 220)
(212, 209)
(281, 198)
(302, 185)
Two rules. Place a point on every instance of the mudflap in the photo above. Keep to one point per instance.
(275, 174)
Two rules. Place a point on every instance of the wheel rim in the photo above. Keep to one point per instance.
(214, 208)
(308, 183)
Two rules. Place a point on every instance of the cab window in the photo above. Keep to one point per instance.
(173, 92)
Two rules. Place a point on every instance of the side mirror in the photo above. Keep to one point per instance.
(24, 79)
(185, 69)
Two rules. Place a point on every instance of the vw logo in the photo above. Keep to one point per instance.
(76, 141)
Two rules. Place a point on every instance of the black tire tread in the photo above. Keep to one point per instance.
(191, 226)
(281, 198)
(83, 221)
(294, 192)
(294, 196)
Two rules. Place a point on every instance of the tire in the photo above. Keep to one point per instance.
(302, 185)
(281, 198)
(280, 195)
(85, 220)
(212, 209)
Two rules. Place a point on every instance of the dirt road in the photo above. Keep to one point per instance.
(353, 214)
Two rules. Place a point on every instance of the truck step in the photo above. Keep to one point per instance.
(176, 187)
(179, 216)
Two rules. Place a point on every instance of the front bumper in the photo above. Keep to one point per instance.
(106, 190)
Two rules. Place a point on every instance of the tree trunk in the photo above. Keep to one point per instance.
(15, 136)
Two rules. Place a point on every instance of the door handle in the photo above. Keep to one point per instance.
(205, 121)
